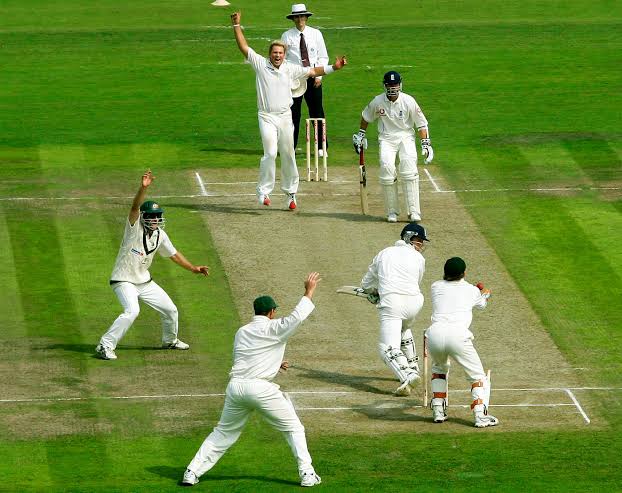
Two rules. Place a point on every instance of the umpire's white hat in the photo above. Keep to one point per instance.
(299, 9)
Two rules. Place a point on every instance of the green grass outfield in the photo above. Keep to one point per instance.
(524, 107)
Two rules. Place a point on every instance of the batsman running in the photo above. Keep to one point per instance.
(397, 114)
(130, 279)
(394, 275)
(453, 300)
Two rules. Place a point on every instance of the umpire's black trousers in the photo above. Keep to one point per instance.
(313, 97)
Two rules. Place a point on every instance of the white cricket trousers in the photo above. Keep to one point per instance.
(397, 314)
(277, 134)
(152, 295)
(445, 341)
(407, 148)
(242, 397)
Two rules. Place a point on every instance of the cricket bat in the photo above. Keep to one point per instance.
(363, 182)
(352, 290)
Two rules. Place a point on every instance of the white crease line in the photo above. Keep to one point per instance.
(436, 187)
(576, 403)
(200, 182)
(363, 408)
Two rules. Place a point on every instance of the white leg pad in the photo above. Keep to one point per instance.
(391, 202)
(397, 362)
(408, 348)
(410, 189)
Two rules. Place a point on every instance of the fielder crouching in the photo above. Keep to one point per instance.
(395, 274)
(449, 336)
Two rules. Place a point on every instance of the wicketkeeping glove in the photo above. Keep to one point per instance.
(360, 141)
(427, 151)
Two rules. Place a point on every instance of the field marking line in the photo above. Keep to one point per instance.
(567, 390)
(576, 403)
(419, 406)
(436, 187)
(201, 184)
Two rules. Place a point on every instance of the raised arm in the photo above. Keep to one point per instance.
(340, 62)
(139, 198)
(236, 17)
(182, 261)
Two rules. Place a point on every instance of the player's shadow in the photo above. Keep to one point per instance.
(90, 348)
(256, 211)
(232, 150)
(394, 410)
(175, 474)
(354, 381)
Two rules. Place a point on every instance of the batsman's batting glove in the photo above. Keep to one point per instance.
(359, 141)
(372, 295)
(427, 151)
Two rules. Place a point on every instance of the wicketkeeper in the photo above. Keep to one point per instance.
(453, 300)
(395, 274)
(398, 115)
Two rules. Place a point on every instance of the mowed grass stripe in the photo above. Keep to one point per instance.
(597, 158)
(10, 301)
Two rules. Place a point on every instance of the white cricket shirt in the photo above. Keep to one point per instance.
(397, 269)
(316, 48)
(453, 302)
(274, 86)
(397, 118)
(259, 346)
(137, 251)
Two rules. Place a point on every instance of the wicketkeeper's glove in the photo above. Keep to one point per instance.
(359, 140)
(427, 151)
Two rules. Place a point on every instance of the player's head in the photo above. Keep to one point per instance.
(454, 269)
(277, 53)
(392, 83)
(414, 234)
(263, 305)
(151, 215)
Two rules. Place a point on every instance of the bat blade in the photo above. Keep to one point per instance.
(363, 182)
(352, 291)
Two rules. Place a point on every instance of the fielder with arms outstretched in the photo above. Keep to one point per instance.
(453, 300)
(398, 115)
(258, 352)
(395, 274)
(274, 81)
(131, 280)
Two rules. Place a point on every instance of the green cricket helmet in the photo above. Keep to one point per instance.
(152, 215)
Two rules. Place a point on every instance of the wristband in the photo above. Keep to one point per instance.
(361, 131)
(328, 69)
(236, 25)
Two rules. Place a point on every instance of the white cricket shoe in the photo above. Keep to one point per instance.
(104, 352)
(404, 389)
(392, 217)
(414, 217)
(264, 200)
(321, 153)
(176, 344)
(484, 420)
(309, 479)
(438, 414)
(190, 478)
(291, 201)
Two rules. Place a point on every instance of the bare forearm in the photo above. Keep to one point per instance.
(423, 133)
(182, 261)
(363, 125)
(240, 40)
(139, 198)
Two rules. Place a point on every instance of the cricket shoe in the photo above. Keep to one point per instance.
(264, 200)
(392, 217)
(404, 389)
(190, 478)
(321, 153)
(291, 201)
(176, 344)
(438, 414)
(104, 352)
(309, 479)
(414, 217)
(485, 420)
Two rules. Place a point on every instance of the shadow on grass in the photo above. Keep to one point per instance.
(233, 150)
(256, 210)
(356, 382)
(90, 348)
(175, 473)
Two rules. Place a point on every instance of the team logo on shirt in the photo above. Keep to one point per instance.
(137, 252)
(381, 111)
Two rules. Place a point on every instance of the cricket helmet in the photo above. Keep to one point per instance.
(414, 234)
(151, 215)
(392, 81)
